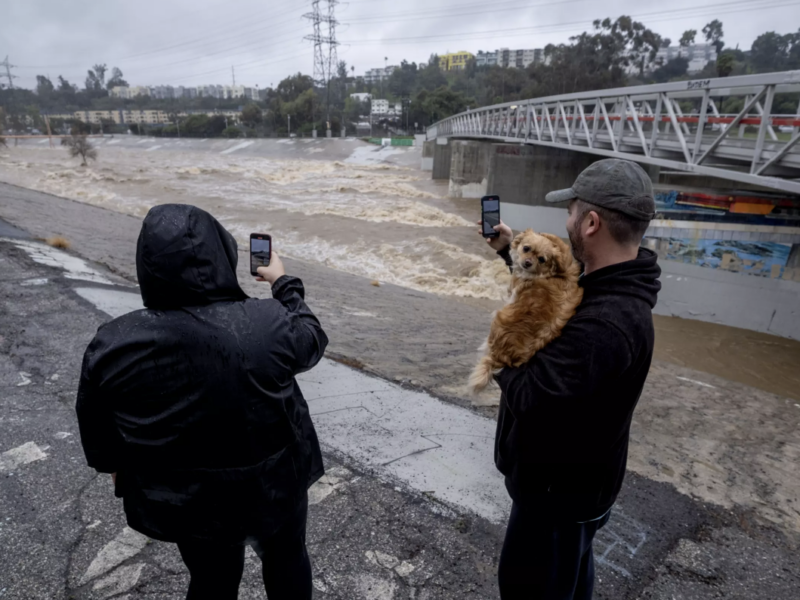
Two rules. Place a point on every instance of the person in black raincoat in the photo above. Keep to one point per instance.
(193, 404)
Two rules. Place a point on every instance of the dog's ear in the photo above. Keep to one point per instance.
(518, 240)
(563, 256)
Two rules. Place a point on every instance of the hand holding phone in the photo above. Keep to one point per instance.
(260, 251)
(490, 216)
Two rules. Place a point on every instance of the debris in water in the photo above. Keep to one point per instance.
(376, 283)
(58, 242)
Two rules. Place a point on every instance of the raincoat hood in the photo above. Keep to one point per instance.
(185, 257)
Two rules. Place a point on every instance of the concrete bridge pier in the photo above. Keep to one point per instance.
(442, 156)
(523, 175)
(469, 168)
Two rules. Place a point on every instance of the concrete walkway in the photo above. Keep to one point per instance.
(434, 447)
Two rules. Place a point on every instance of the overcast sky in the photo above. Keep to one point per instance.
(193, 42)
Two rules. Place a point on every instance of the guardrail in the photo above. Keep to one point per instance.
(674, 125)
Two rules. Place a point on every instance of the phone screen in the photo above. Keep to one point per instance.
(260, 251)
(491, 215)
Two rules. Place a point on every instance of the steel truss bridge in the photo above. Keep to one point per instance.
(674, 125)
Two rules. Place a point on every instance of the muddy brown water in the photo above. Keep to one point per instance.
(355, 208)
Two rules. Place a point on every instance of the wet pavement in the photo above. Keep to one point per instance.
(374, 531)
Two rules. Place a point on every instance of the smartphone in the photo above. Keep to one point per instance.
(260, 251)
(490, 215)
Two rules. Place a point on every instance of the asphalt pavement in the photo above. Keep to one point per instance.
(410, 508)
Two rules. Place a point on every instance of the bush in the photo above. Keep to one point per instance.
(78, 145)
(231, 132)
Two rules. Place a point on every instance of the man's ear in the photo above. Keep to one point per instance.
(593, 224)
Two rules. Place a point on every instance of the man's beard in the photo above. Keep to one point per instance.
(576, 241)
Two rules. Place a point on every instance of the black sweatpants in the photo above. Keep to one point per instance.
(216, 568)
(544, 559)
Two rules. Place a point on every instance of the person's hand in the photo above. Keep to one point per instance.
(114, 478)
(273, 272)
(501, 241)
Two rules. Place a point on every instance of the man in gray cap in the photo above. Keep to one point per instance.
(565, 417)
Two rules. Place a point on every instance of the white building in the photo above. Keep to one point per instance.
(380, 74)
(383, 108)
(505, 57)
(120, 91)
(698, 55)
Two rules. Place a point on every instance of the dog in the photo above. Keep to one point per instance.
(543, 296)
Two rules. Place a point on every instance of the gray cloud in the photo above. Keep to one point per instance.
(191, 43)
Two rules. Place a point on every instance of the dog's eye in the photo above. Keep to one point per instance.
(541, 259)
(526, 249)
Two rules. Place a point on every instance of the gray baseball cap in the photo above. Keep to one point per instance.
(615, 184)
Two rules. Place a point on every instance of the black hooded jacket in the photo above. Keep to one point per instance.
(192, 401)
(565, 417)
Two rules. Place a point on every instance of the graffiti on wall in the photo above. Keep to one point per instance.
(763, 259)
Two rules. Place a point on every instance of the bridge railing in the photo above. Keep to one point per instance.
(738, 128)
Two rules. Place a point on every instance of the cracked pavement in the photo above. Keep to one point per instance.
(371, 536)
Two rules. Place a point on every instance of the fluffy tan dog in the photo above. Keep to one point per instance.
(544, 294)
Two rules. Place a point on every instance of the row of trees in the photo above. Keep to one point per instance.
(614, 53)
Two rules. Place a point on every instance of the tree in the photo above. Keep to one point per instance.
(687, 39)
(676, 67)
(595, 60)
(231, 132)
(44, 87)
(443, 103)
(116, 79)
(725, 63)
(251, 115)
(65, 86)
(402, 81)
(96, 78)
(713, 32)
(771, 51)
(78, 145)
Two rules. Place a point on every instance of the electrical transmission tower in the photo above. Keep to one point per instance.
(324, 38)
(8, 74)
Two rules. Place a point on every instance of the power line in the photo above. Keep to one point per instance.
(565, 26)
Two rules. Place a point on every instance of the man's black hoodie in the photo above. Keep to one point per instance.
(565, 417)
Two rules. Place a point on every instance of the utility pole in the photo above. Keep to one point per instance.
(233, 75)
(289, 125)
(9, 76)
(324, 66)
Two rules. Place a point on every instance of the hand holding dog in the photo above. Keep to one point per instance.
(501, 241)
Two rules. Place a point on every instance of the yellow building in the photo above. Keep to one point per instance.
(455, 61)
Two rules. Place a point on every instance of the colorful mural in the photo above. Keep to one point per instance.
(764, 259)
(744, 232)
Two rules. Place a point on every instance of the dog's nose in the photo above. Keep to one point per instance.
(527, 264)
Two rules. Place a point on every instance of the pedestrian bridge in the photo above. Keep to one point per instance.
(734, 128)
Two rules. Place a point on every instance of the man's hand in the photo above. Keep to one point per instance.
(501, 241)
(114, 478)
(273, 272)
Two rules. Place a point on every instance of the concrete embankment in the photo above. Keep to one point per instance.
(727, 272)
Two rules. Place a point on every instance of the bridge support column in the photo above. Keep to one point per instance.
(522, 176)
(427, 155)
(469, 168)
(442, 155)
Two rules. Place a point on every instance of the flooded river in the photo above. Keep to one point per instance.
(364, 213)
(359, 209)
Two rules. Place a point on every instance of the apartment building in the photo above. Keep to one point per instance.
(379, 74)
(162, 92)
(505, 57)
(383, 108)
(698, 55)
(455, 61)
